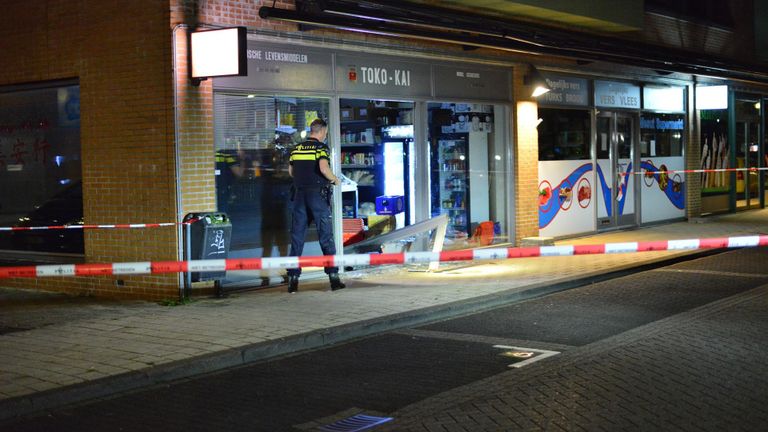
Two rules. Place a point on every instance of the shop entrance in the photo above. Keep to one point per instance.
(747, 153)
(615, 152)
(377, 155)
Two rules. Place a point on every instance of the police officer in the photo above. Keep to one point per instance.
(311, 171)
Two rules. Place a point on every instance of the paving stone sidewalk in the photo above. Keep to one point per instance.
(74, 349)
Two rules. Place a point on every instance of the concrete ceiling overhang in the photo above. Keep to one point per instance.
(420, 19)
(596, 15)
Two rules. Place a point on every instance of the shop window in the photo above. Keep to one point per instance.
(467, 159)
(253, 139)
(715, 151)
(377, 157)
(661, 135)
(40, 155)
(563, 134)
(764, 163)
(747, 148)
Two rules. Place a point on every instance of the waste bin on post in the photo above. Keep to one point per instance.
(207, 237)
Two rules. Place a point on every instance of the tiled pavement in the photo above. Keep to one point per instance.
(701, 370)
(77, 349)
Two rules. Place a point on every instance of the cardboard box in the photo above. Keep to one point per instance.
(390, 204)
(380, 225)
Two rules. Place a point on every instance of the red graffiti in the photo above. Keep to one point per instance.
(19, 150)
(41, 149)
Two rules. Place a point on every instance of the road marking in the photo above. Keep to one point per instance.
(490, 340)
(523, 353)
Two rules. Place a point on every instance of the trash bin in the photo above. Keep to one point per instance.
(208, 237)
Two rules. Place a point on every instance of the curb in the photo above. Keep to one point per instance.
(241, 356)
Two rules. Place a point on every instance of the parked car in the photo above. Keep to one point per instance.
(64, 208)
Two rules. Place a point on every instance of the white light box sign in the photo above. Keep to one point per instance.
(712, 97)
(220, 52)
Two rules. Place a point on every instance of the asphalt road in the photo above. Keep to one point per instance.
(382, 374)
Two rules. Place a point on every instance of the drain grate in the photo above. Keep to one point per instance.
(355, 423)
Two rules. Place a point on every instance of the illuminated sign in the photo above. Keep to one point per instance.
(670, 99)
(215, 53)
(712, 97)
(617, 95)
(565, 91)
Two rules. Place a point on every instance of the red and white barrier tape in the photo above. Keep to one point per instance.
(218, 265)
(116, 226)
(694, 171)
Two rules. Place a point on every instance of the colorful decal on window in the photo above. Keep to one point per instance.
(673, 188)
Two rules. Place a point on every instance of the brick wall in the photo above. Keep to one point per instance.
(526, 171)
(120, 52)
(693, 159)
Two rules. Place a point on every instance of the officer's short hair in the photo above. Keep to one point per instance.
(317, 125)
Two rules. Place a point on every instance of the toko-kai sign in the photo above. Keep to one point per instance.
(356, 74)
(381, 76)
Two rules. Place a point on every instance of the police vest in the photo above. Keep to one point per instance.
(305, 159)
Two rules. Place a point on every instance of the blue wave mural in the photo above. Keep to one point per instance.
(675, 191)
(606, 190)
(552, 207)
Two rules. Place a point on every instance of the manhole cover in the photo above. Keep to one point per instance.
(355, 423)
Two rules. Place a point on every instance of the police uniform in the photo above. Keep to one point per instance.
(311, 200)
(225, 179)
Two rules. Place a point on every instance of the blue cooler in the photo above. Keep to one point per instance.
(389, 204)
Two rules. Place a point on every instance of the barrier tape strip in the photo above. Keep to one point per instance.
(166, 224)
(219, 265)
(694, 171)
(89, 226)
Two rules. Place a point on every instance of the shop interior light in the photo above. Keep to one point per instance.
(215, 53)
(757, 105)
(536, 81)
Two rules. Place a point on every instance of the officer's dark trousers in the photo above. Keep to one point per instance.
(309, 201)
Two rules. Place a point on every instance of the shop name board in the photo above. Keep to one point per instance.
(566, 91)
(670, 99)
(659, 124)
(378, 76)
(382, 76)
(617, 95)
(293, 67)
(286, 57)
(281, 67)
(472, 82)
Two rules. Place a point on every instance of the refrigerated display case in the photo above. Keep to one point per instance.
(465, 159)
(452, 181)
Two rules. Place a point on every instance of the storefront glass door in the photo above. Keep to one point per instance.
(253, 139)
(747, 153)
(764, 154)
(377, 159)
(615, 154)
(467, 172)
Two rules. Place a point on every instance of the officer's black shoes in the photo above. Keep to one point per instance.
(293, 284)
(336, 283)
